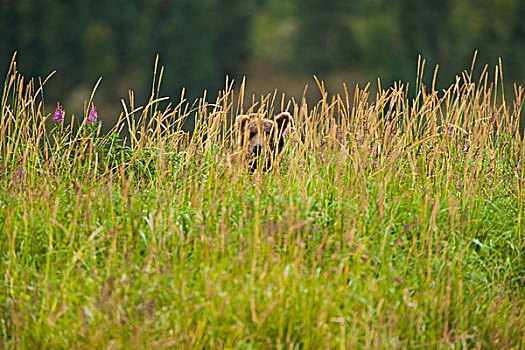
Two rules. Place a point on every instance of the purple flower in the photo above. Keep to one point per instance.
(459, 184)
(59, 114)
(93, 115)
(286, 133)
(20, 174)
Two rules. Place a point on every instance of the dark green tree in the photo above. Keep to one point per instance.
(323, 40)
(231, 27)
(423, 26)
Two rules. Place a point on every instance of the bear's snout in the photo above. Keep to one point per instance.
(257, 150)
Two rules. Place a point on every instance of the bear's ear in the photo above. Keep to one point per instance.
(282, 121)
(241, 121)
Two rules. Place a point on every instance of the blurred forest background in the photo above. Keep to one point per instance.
(276, 44)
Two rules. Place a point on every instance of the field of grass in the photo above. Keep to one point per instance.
(389, 222)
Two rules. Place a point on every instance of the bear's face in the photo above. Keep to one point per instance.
(262, 137)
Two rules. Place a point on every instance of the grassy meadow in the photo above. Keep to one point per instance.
(387, 222)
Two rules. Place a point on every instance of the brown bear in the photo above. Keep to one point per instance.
(261, 138)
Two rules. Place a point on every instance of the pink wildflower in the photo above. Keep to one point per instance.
(93, 115)
(59, 114)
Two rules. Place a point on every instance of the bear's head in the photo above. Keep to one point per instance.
(262, 138)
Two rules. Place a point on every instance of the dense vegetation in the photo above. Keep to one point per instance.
(390, 222)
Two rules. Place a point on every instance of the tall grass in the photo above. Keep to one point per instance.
(390, 221)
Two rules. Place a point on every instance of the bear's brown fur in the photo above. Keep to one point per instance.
(261, 138)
